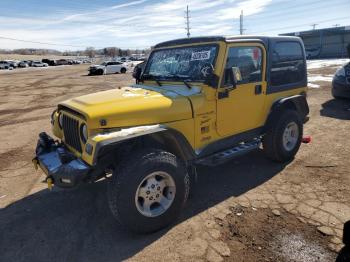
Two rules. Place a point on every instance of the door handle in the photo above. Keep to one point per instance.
(258, 89)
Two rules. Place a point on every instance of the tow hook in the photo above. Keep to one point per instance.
(306, 139)
(49, 182)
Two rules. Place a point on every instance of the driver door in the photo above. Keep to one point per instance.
(240, 107)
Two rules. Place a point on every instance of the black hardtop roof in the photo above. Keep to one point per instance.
(206, 39)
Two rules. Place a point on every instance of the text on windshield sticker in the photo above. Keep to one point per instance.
(204, 55)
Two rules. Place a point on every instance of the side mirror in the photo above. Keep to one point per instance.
(137, 74)
(233, 75)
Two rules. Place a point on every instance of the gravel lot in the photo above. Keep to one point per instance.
(307, 201)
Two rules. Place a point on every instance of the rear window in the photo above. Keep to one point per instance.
(288, 65)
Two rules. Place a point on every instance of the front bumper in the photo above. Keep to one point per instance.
(341, 89)
(61, 166)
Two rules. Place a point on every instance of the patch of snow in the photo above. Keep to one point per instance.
(319, 78)
(310, 85)
(314, 64)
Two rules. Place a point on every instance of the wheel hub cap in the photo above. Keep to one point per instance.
(290, 136)
(155, 194)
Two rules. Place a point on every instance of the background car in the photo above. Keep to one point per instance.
(108, 68)
(23, 64)
(341, 82)
(13, 63)
(39, 64)
(50, 62)
(62, 62)
(5, 65)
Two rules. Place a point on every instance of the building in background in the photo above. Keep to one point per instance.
(325, 43)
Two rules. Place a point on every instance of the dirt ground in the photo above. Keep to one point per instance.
(311, 194)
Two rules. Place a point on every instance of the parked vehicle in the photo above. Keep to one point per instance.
(39, 64)
(50, 62)
(23, 64)
(341, 81)
(62, 62)
(202, 101)
(108, 68)
(5, 65)
(13, 63)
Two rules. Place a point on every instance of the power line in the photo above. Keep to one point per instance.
(66, 45)
(294, 26)
(316, 5)
(187, 22)
(37, 42)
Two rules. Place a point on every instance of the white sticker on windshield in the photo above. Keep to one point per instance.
(204, 55)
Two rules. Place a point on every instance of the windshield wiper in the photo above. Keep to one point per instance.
(187, 84)
(152, 77)
(185, 81)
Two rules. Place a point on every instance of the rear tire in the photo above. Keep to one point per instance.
(283, 137)
(148, 191)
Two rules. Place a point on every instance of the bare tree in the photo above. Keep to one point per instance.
(90, 52)
(112, 51)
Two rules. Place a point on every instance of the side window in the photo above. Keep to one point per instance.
(288, 64)
(247, 64)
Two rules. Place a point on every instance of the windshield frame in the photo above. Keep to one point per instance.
(179, 79)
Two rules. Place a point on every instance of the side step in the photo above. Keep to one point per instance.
(228, 154)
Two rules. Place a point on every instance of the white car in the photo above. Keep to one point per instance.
(39, 64)
(5, 65)
(108, 68)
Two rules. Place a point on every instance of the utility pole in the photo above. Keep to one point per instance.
(241, 29)
(187, 17)
(314, 26)
(336, 25)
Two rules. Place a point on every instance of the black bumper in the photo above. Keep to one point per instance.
(58, 163)
(341, 89)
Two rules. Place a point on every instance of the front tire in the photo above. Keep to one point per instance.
(123, 70)
(148, 191)
(283, 137)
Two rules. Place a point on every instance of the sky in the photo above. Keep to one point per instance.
(139, 24)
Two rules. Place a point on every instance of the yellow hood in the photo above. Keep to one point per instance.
(130, 106)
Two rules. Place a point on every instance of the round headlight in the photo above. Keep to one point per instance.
(60, 120)
(84, 133)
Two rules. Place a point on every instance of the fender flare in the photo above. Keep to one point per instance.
(170, 136)
(296, 102)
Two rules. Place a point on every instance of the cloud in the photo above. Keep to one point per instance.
(134, 24)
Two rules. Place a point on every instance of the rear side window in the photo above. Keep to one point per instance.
(288, 64)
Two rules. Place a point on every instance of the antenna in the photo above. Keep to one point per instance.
(187, 17)
(241, 29)
(314, 26)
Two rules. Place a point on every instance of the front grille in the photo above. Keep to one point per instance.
(71, 132)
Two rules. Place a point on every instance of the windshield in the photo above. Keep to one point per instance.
(185, 63)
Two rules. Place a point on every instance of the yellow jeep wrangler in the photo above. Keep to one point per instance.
(198, 101)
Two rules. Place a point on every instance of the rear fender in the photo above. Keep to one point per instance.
(297, 103)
